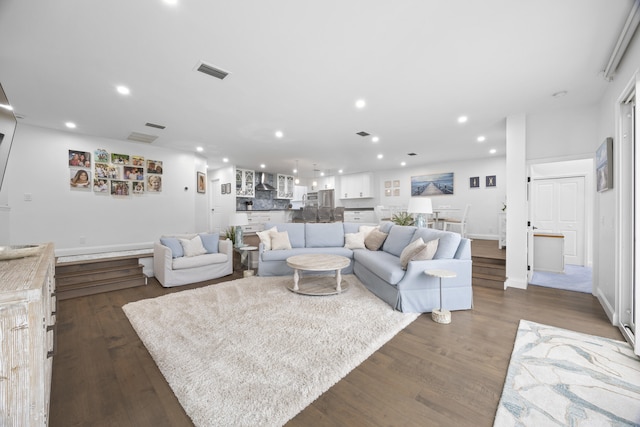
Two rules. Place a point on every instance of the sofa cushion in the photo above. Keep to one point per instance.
(351, 227)
(265, 237)
(354, 241)
(280, 241)
(210, 242)
(295, 230)
(329, 235)
(448, 244)
(410, 250)
(385, 226)
(198, 261)
(374, 240)
(366, 229)
(174, 244)
(192, 247)
(382, 264)
(283, 255)
(398, 239)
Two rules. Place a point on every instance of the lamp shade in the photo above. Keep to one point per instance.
(238, 218)
(420, 205)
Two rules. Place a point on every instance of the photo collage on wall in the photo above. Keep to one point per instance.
(113, 173)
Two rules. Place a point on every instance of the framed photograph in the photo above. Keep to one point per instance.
(432, 185)
(396, 192)
(137, 161)
(120, 188)
(387, 184)
(201, 182)
(490, 181)
(223, 188)
(81, 159)
(80, 179)
(154, 184)
(604, 166)
(474, 182)
(101, 155)
(101, 186)
(154, 166)
(228, 188)
(133, 174)
(396, 183)
(119, 159)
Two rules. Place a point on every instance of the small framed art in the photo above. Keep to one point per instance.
(474, 182)
(201, 182)
(490, 181)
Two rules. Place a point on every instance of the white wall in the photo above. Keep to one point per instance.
(38, 166)
(485, 202)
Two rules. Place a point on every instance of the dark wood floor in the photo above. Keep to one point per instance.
(428, 374)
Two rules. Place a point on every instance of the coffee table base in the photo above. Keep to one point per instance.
(318, 286)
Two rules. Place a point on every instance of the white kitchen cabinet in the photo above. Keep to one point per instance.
(245, 186)
(284, 186)
(27, 327)
(365, 217)
(356, 186)
(327, 183)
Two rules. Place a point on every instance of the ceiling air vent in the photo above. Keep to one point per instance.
(153, 125)
(411, 154)
(211, 70)
(363, 133)
(141, 137)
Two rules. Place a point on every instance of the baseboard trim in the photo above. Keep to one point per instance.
(101, 249)
(483, 236)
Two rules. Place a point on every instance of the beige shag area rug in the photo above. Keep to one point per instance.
(250, 352)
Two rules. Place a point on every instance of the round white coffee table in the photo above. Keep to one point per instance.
(318, 285)
(441, 315)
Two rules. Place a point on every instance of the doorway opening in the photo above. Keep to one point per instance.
(561, 218)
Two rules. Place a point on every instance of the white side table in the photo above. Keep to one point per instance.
(247, 255)
(441, 315)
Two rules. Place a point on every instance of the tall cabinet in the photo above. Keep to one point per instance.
(27, 327)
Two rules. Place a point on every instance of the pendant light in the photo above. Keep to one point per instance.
(297, 180)
(315, 182)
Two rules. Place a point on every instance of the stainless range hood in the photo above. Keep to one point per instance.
(263, 185)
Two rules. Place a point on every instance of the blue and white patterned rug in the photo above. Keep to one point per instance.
(558, 377)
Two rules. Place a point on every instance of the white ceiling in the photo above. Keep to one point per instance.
(299, 67)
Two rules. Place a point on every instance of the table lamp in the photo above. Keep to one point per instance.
(420, 206)
(237, 220)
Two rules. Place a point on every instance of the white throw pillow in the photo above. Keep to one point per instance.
(265, 237)
(354, 241)
(428, 252)
(366, 229)
(410, 250)
(280, 241)
(193, 247)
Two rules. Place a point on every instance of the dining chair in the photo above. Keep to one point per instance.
(324, 214)
(338, 214)
(460, 223)
(310, 214)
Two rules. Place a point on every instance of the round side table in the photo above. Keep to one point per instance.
(247, 253)
(441, 315)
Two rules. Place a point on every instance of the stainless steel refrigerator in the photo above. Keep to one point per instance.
(326, 199)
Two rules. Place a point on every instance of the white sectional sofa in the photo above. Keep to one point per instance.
(173, 268)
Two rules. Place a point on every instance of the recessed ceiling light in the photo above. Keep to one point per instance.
(279, 134)
(380, 156)
(481, 139)
(263, 166)
(463, 119)
(199, 149)
(171, 2)
(403, 163)
(70, 125)
(493, 151)
(340, 171)
(375, 139)
(321, 173)
(361, 103)
(123, 90)
(225, 160)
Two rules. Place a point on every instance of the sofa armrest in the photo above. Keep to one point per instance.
(225, 247)
(415, 278)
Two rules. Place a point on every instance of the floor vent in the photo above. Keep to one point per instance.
(153, 125)
(141, 137)
(211, 70)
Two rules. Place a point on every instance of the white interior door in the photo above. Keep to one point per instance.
(217, 209)
(558, 206)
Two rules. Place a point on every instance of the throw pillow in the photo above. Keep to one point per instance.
(193, 247)
(410, 250)
(366, 229)
(354, 241)
(280, 241)
(210, 242)
(374, 240)
(427, 252)
(174, 244)
(265, 237)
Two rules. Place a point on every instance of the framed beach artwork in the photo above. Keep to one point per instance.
(432, 185)
(604, 166)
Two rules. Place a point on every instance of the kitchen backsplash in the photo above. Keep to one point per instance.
(264, 201)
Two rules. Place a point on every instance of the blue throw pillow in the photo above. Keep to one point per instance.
(210, 242)
(173, 244)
